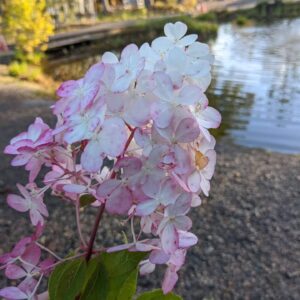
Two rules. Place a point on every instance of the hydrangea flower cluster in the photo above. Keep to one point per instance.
(132, 134)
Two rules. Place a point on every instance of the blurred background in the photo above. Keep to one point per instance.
(249, 227)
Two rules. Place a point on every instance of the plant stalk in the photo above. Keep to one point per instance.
(102, 207)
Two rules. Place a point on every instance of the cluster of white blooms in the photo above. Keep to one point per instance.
(147, 114)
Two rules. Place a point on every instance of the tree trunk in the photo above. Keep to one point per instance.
(90, 8)
(81, 8)
(149, 3)
(105, 6)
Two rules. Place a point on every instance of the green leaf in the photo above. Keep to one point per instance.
(158, 295)
(66, 280)
(86, 200)
(112, 276)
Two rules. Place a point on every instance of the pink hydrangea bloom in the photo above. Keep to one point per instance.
(31, 147)
(132, 139)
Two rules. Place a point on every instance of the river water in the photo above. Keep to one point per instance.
(256, 83)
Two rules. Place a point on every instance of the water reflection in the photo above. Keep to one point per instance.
(233, 103)
(257, 72)
(72, 65)
(256, 82)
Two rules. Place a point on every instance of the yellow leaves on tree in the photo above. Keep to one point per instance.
(190, 4)
(28, 24)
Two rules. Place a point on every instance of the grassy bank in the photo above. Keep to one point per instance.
(205, 29)
(147, 30)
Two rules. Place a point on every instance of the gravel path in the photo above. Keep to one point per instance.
(249, 228)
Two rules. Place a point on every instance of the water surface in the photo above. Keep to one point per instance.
(257, 84)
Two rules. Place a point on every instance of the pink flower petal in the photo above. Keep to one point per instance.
(188, 40)
(169, 281)
(163, 115)
(181, 206)
(94, 74)
(146, 208)
(18, 203)
(190, 95)
(130, 165)
(21, 246)
(5, 258)
(210, 118)
(130, 49)
(12, 293)
(147, 268)
(28, 285)
(13, 271)
(183, 162)
(164, 86)
(91, 158)
(183, 223)
(107, 187)
(34, 166)
(142, 247)
(32, 255)
(21, 159)
(186, 239)
(196, 201)
(66, 88)
(159, 257)
(109, 58)
(46, 264)
(205, 185)
(194, 182)
(36, 217)
(175, 31)
(119, 248)
(169, 239)
(119, 202)
(187, 130)
(209, 170)
(74, 188)
(113, 137)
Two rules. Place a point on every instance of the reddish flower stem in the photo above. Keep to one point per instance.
(94, 232)
(128, 141)
(102, 207)
(129, 127)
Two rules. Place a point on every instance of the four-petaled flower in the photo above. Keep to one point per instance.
(31, 201)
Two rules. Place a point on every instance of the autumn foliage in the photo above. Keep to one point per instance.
(27, 25)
